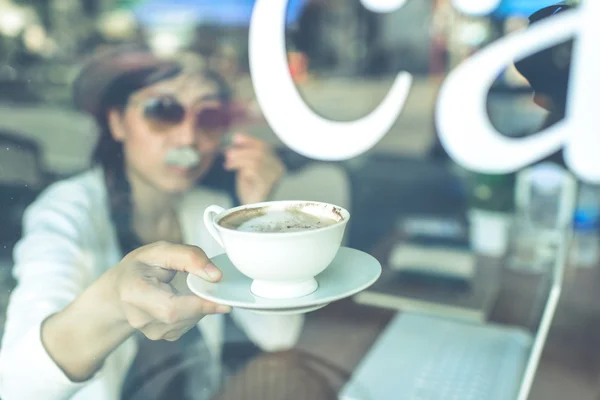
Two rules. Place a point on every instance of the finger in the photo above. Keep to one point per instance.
(148, 301)
(160, 331)
(137, 318)
(236, 158)
(179, 330)
(190, 307)
(255, 177)
(178, 257)
(243, 159)
(238, 154)
(245, 164)
(244, 140)
(175, 335)
(169, 309)
(154, 332)
(157, 274)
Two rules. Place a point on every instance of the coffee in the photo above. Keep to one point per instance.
(268, 220)
(302, 238)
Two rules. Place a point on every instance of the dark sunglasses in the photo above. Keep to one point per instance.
(166, 111)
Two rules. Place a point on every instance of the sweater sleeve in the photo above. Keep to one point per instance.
(52, 269)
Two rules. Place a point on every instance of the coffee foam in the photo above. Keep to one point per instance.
(284, 221)
(291, 219)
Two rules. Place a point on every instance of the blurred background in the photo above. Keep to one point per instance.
(405, 190)
(342, 57)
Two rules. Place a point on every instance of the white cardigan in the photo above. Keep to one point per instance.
(68, 242)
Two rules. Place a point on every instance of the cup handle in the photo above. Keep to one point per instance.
(209, 222)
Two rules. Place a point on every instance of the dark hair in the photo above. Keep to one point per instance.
(108, 153)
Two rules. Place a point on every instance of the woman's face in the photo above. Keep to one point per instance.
(150, 127)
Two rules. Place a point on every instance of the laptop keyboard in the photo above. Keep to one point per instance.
(428, 358)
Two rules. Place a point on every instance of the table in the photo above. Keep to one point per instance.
(570, 364)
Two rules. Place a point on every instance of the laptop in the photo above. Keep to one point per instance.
(424, 357)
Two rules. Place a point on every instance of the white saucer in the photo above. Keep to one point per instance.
(286, 311)
(350, 272)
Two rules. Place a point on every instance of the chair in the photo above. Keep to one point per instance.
(22, 177)
(20, 161)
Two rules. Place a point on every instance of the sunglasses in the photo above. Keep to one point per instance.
(165, 112)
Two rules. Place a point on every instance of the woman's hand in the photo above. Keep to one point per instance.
(137, 293)
(258, 168)
(149, 300)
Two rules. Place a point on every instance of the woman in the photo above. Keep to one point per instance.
(104, 254)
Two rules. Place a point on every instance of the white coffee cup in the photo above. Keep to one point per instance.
(281, 264)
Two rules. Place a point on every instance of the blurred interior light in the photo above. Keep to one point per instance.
(12, 21)
(473, 33)
(34, 38)
(118, 24)
(476, 7)
(165, 43)
(383, 6)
